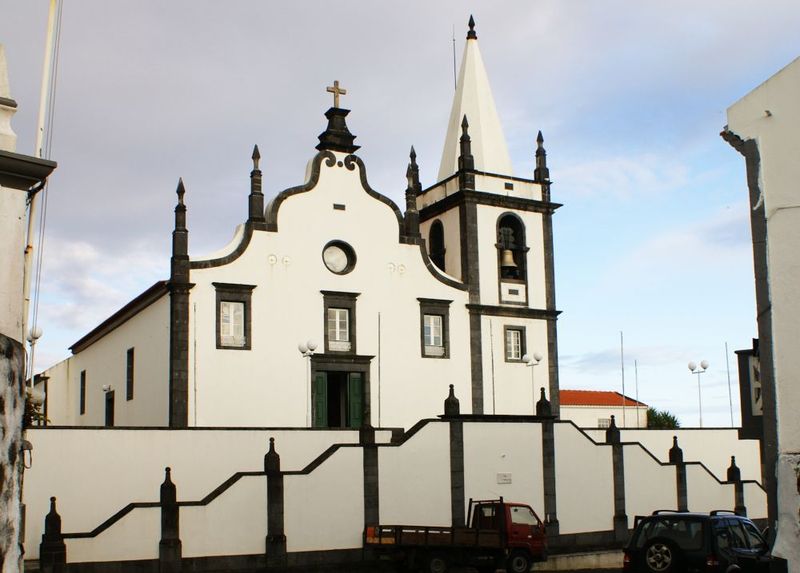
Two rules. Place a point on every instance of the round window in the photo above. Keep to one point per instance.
(339, 257)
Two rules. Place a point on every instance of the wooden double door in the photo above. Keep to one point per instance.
(337, 399)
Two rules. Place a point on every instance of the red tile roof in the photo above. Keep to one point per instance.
(595, 398)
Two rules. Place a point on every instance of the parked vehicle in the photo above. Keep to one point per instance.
(671, 541)
(500, 535)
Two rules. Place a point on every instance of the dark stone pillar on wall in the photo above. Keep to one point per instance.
(52, 550)
(169, 548)
(452, 409)
(371, 487)
(676, 458)
(549, 477)
(276, 539)
(179, 318)
(735, 477)
(618, 460)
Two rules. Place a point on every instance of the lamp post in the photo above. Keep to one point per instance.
(307, 350)
(34, 334)
(695, 370)
(532, 361)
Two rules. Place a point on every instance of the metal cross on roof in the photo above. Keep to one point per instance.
(336, 91)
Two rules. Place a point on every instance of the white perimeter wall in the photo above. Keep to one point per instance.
(584, 482)
(514, 450)
(590, 416)
(713, 447)
(96, 472)
(422, 494)
(648, 485)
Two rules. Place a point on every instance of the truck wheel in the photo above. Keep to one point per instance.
(436, 563)
(518, 562)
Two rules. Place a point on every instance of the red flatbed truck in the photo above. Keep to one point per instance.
(500, 535)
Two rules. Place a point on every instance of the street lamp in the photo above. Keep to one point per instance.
(34, 334)
(307, 350)
(695, 370)
(532, 361)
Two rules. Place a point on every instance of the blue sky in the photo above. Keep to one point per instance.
(653, 238)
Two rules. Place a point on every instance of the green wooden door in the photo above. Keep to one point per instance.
(355, 399)
(319, 400)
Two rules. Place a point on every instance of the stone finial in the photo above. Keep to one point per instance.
(675, 452)
(451, 404)
(734, 473)
(272, 461)
(543, 407)
(180, 238)
(541, 174)
(181, 191)
(412, 175)
(612, 432)
(337, 136)
(471, 35)
(52, 523)
(255, 207)
(466, 161)
(169, 494)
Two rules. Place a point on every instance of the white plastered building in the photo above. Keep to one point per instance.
(455, 289)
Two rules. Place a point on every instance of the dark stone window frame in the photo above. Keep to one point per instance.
(338, 299)
(82, 399)
(130, 357)
(230, 292)
(436, 244)
(523, 344)
(435, 306)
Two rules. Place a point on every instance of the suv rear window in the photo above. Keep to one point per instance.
(687, 533)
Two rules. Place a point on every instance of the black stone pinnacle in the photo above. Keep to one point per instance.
(675, 452)
(413, 189)
(471, 35)
(256, 199)
(541, 174)
(180, 237)
(451, 404)
(466, 162)
(734, 473)
(337, 137)
(543, 407)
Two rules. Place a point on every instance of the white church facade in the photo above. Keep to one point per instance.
(392, 306)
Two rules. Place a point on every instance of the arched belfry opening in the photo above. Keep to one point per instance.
(436, 242)
(512, 259)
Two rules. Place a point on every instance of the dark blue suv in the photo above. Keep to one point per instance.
(671, 542)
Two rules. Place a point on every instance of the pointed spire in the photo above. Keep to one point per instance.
(181, 191)
(255, 211)
(466, 162)
(473, 98)
(471, 35)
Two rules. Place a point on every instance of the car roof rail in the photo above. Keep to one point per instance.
(660, 511)
(718, 511)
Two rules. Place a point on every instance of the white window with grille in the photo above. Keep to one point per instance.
(338, 329)
(433, 334)
(514, 344)
(231, 323)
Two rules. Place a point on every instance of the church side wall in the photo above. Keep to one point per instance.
(105, 363)
(584, 477)
(508, 386)
(12, 243)
(504, 460)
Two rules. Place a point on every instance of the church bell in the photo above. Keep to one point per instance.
(507, 260)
